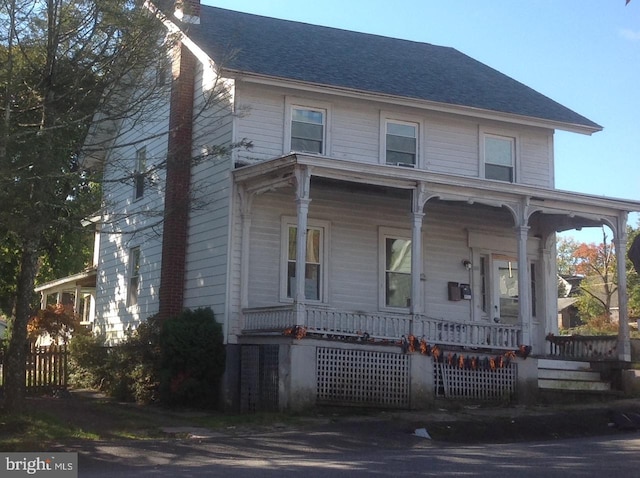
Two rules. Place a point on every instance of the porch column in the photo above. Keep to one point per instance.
(246, 200)
(416, 263)
(77, 299)
(303, 183)
(524, 289)
(620, 240)
(419, 200)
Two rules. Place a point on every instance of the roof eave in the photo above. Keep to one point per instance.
(414, 102)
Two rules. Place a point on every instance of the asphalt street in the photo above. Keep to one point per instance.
(328, 453)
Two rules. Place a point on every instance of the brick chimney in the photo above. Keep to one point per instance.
(188, 11)
(177, 201)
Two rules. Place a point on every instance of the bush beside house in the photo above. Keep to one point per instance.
(175, 362)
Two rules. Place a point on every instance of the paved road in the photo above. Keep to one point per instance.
(329, 453)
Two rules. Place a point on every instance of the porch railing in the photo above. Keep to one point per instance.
(578, 347)
(473, 334)
(268, 318)
(381, 326)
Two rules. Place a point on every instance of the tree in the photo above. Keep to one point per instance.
(60, 62)
(59, 322)
(633, 277)
(566, 260)
(598, 264)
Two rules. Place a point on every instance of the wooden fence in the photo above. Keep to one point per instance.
(46, 369)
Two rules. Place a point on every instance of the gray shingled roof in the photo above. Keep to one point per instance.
(370, 63)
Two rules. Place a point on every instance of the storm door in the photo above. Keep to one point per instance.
(505, 291)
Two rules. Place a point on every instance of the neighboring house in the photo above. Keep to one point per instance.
(394, 190)
(568, 290)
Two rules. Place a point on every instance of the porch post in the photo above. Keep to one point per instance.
(303, 183)
(419, 200)
(246, 200)
(77, 298)
(524, 289)
(620, 240)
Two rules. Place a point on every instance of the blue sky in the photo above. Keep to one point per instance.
(585, 54)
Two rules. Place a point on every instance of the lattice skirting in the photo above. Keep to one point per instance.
(362, 377)
(452, 381)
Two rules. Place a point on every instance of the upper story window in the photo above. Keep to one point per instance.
(499, 158)
(140, 172)
(134, 276)
(308, 130)
(401, 143)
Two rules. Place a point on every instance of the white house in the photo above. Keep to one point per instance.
(398, 201)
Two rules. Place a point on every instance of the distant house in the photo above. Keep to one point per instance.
(568, 291)
(397, 207)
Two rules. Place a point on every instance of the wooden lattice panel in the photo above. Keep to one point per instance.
(362, 377)
(499, 384)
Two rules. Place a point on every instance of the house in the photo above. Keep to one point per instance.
(388, 239)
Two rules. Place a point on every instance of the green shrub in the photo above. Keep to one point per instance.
(88, 362)
(192, 359)
(176, 362)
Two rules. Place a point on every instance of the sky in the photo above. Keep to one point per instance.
(584, 54)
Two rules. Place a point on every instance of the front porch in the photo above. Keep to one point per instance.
(346, 272)
(381, 327)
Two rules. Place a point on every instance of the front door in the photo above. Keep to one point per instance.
(505, 295)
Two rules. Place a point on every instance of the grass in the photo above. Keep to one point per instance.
(35, 430)
(47, 421)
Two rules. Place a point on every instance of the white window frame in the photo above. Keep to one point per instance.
(139, 173)
(133, 276)
(311, 105)
(324, 228)
(515, 153)
(386, 118)
(385, 233)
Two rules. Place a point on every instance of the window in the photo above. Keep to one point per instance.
(396, 260)
(401, 141)
(134, 276)
(315, 265)
(499, 158)
(308, 130)
(140, 172)
(484, 260)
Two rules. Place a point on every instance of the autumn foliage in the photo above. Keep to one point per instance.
(58, 321)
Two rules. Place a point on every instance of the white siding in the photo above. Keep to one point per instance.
(131, 223)
(353, 267)
(536, 163)
(452, 147)
(206, 262)
(450, 143)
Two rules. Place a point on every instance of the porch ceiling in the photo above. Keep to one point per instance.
(562, 209)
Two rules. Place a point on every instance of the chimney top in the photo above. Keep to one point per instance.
(188, 11)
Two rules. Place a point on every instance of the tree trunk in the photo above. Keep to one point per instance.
(15, 363)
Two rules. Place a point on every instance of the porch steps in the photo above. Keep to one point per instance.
(569, 375)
